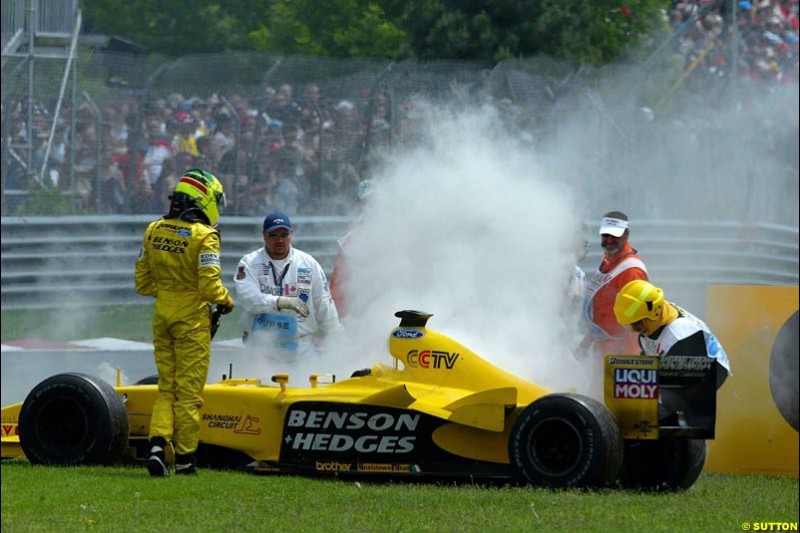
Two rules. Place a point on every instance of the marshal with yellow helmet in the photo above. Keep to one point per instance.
(665, 329)
(440, 411)
(664, 400)
(637, 301)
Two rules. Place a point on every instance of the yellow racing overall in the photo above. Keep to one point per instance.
(179, 265)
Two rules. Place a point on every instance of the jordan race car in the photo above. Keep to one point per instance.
(439, 412)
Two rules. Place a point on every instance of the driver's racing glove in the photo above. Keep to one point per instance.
(227, 307)
(294, 303)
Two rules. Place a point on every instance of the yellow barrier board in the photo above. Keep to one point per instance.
(756, 430)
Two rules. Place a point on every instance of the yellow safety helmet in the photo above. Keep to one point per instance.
(205, 192)
(637, 300)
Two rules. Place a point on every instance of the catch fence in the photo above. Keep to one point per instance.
(299, 133)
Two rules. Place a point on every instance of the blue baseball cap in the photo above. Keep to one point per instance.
(277, 220)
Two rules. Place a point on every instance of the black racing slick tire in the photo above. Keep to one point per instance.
(148, 380)
(566, 440)
(662, 465)
(71, 420)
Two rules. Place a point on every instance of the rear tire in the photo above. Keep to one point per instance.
(73, 419)
(663, 465)
(566, 440)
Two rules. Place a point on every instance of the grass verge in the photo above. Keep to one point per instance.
(38, 498)
(130, 322)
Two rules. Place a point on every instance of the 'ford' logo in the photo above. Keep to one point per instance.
(407, 334)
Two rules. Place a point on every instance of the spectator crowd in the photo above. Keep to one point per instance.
(300, 144)
(766, 36)
(303, 153)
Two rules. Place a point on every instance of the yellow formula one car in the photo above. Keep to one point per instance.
(440, 412)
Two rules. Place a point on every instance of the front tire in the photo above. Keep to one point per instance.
(73, 419)
(566, 440)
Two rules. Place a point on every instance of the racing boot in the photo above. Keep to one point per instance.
(157, 462)
(185, 464)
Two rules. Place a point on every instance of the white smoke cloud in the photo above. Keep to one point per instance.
(469, 227)
(476, 226)
(108, 373)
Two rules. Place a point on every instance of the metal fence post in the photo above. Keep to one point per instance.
(137, 133)
(5, 127)
(256, 143)
(365, 146)
(99, 148)
(237, 128)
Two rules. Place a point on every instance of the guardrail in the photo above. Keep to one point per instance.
(684, 257)
(68, 261)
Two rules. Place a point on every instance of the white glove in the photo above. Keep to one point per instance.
(294, 303)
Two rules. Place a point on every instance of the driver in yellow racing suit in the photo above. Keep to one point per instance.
(179, 265)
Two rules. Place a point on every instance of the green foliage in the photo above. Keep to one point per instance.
(177, 27)
(315, 27)
(50, 200)
(126, 499)
(340, 28)
(595, 32)
(129, 322)
(584, 32)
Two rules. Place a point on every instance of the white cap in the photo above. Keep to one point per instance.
(344, 105)
(613, 226)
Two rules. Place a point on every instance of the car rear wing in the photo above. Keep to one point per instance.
(662, 397)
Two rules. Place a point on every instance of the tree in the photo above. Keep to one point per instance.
(344, 28)
(177, 27)
(584, 31)
(314, 27)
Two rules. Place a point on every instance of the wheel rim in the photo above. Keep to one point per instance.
(556, 446)
(62, 424)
